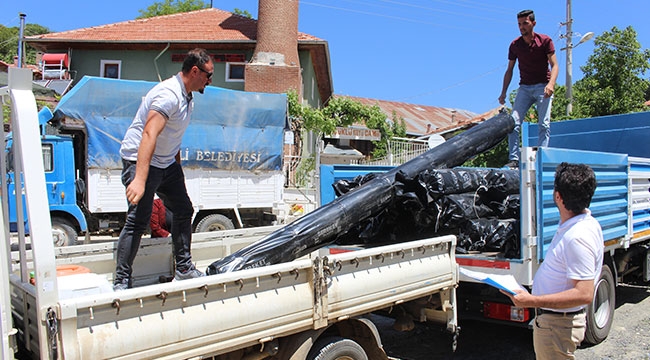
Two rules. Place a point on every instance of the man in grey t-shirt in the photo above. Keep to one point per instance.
(151, 165)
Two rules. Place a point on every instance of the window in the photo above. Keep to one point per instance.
(111, 69)
(235, 72)
(48, 163)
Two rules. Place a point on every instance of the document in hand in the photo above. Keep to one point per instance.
(502, 282)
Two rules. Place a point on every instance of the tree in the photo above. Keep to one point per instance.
(243, 13)
(167, 7)
(9, 42)
(612, 82)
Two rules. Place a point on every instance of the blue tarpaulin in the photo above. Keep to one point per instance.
(229, 129)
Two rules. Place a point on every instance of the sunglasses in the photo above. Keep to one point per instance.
(208, 73)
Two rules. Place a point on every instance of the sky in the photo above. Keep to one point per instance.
(445, 53)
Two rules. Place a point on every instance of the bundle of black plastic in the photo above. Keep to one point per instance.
(491, 235)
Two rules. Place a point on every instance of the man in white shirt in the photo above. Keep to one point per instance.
(564, 284)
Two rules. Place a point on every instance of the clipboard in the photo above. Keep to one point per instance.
(507, 283)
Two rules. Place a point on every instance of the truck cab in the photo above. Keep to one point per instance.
(60, 176)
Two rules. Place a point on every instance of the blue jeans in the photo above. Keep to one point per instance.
(527, 95)
(169, 184)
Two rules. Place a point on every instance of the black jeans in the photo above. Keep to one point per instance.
(169, 184)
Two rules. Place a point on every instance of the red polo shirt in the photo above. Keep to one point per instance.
(533, 58)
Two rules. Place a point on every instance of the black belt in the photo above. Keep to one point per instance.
(540, 311)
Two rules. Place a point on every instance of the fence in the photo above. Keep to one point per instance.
(400, 150)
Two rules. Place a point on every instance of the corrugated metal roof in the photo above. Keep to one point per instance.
(423, 119)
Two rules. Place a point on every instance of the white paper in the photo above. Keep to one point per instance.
(503, 282)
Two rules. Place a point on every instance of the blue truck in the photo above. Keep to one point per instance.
(232, 156)
(617, 148)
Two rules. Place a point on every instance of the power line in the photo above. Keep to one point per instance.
(8, 40)
(460, 83)
(478, 5)
(391, 17)
(10, 21)
(403, 18)
(435, 9)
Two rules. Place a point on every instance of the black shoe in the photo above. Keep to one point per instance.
(512, 164)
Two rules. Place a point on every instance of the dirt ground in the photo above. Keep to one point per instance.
(629, 337)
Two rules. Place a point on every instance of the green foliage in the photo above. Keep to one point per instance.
(304, 169)
(498, 155)
(168, 7)
(395, 128)
(6, 109)
(243, 13)
(560, 103)
(493, 158)
(342, 111)
(612, 82)
(9, 42)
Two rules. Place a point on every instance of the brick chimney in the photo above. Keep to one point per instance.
(275, 66)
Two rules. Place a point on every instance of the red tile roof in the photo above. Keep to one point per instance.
(206, 25)
(212, 29)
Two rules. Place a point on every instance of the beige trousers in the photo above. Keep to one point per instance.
(558, 336)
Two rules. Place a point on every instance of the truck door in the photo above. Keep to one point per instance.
(58, 163)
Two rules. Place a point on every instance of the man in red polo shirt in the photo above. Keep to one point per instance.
(535, 52)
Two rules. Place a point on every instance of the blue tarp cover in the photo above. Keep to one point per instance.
(229, 129)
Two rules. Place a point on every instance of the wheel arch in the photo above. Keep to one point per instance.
(70, 218)
(202, 214)
(360, 330)
(66, 216)
(608, 259)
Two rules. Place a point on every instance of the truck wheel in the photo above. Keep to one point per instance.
(336, 348)
(214, 222)
(600, 313)
(63, 233)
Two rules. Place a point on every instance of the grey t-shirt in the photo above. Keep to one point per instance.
(170, 99)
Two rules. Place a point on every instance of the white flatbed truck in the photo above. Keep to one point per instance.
(311, 308)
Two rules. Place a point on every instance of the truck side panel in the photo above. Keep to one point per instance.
(233, 189)
(329, 174)
(608, 205)
(640, 198)
(622, 134)
(209, 190)
(221, 313)
(367, 280)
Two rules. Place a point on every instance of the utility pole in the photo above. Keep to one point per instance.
(569, 59)
(20, 39)
(569, 55)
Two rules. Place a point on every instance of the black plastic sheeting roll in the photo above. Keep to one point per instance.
(490, 234)
(362, 213)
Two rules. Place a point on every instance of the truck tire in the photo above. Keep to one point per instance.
(214, 222)
(600, 313)
(336, 348)
(63, 233)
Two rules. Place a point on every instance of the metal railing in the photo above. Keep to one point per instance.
(400, 150)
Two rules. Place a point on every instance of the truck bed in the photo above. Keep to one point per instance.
(221, 313)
